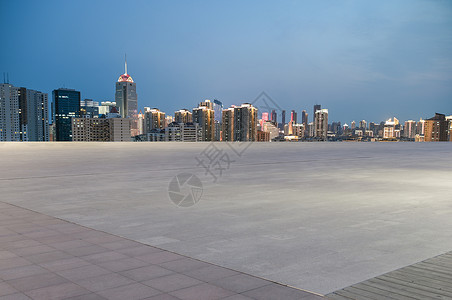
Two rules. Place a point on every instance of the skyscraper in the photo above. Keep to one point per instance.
(245, 123)
(293, 117)
(183, 116)
(305, 121)
(204, 116)
(436, 129)
(154, 119)
(37, 119)
(218, 108)
(321, 123)
(65, 105)
(227, 126)
(409, 130)
(274, 116)
(126, 99)
(283, 119)
(391, 129)
(9, 113)
(304, 118)
(316, 108)
(363, 124)
(207, 103)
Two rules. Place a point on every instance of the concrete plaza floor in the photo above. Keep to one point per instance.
(316, 216)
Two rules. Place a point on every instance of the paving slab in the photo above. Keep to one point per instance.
(107, 274)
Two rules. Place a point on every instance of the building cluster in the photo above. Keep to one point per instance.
(435, 129)
(24, 116)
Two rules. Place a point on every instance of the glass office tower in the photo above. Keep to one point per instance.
(65, 106)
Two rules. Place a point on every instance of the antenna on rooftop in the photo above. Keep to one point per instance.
(125, 65)
(7, 77)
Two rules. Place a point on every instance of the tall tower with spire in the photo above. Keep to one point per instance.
(126, 99)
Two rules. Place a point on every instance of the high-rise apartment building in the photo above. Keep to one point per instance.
(183, 116)
(436, 129)
(270, 127)
(23, 114)
(363, 125)
(141, 123)
(227, 125)
(127, 100)
(245, 123)
(321, 124)
(293, 117)
(449, 120)
(304, 118)
(316, 108)
(283, 118)
(218, 109)
(207, 103)
(409, 130)
(298, 130)
(217, 130)
(65, 105)
(9, 113)
(154, 119)
(204, 116)
(274, 116)
(391, 129)
(34, 111)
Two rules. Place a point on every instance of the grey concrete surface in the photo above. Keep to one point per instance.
(317, 216)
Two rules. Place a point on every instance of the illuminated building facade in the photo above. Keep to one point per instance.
(218, 109)
(409, 130)
(204, 116)
(227, 125)
(154, 119)
(391, 130)
(270, 127)
(321, 124)
(183, 116)
(316, 108)
(65, 105)
(126, 99)
(245, 123)
(436, 129)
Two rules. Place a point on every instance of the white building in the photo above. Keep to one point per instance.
(9, 113)
(268, 126)
(321, 124)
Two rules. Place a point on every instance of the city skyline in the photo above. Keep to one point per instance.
(398, 64)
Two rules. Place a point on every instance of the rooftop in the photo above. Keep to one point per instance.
(319, 217)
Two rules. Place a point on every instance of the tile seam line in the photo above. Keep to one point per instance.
(175, 169)
(412, 265)
(269, 280)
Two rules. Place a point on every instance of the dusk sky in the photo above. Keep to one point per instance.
(367, 60)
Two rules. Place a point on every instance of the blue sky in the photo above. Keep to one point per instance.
(360, 59)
